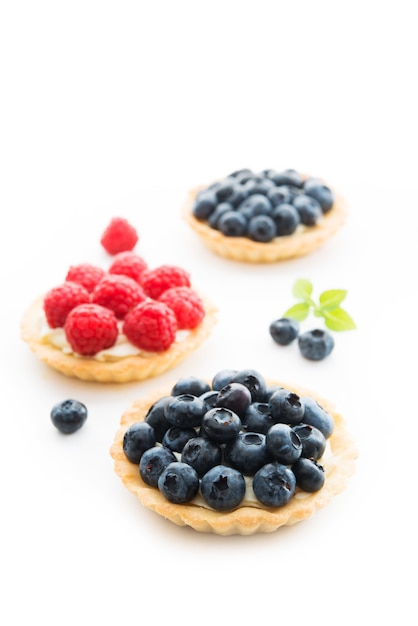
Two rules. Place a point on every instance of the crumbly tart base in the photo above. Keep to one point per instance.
(246, 520)
(302, 242)
(123, 370)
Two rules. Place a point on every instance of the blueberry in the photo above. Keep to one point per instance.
(68, 416)
(284, 330)
(190, 385)
(221, 425)
(222, 378)
(270, 389)
(204, 205)
(286, 218)
(221, 208)
(317, 416)
(179, 482)
(255, 204)
(138, 438)
(234, 396)
(310, 476)
(210, 398)
(225, 189)
(315, 344)
(185, 410)
(308, 208)
(254, 381)
(153, 462)
(223, 488)
(261, 228)
(279, 195)
(286, 407)
(274, 484)
(257, 418)
(258, 185)
(247, 452)
(202, 454)
(283, 444)
(176, 438)
(243, 173)
(232, 224)
(155, 417)
(322, 194)
(287, 177)
(313, 441)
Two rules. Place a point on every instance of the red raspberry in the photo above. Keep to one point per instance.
(118, 293)
(85, 274)
(186, 304)
(151, 326)
(129, 264)
(119, 236)
(60, 300)
(164, 277)
(90, 328)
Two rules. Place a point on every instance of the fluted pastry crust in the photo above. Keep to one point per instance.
(245, 520)
(126, 369)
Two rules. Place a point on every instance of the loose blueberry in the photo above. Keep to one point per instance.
(202, 454)
(155, 417)
(317, 416)
(257, 418)
(190, 385)
(138, 438)
(232, 224)
(221, 425)
(310, 476)
(68, 416)
(286, 219)
(176, 438)
(274, 484)
(254, 381)
(247, 452)
(179, 482)
(286, 407)
(284, 330)
(153, 462)
(283, 444)
(313, 441)
(185, 411)
(309, 209)
(316, 344)
(234, 396)
(261, 228)
(223, 488)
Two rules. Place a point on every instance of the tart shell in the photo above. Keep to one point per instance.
(302, 242)
(123, 370)
(246, 520)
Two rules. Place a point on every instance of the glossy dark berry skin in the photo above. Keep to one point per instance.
(68, 416)
(257, 418)
(313, 441)
(205, 204)
(221, 425)
(283, 444)
(286, 219)
(223, 488)
(222, 378)
(210, 398)
(317, 416)
(153, 462)
(202, 454)
(155, 417)
(179, 482)
(247, 452)
(232, 224)
(190, 385)
(309, 209)
(261, 228)
(274, 484)
(254, 381)
(322, 194)
(284, 330)
(234, 396)
(315, 344)
(310, 475)
(176, 438)
(286, 407)
(185, 411)
(138, 438)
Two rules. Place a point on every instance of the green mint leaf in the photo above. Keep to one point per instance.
(298, 311)
(332, 298)
(338, 319)
(302, 289)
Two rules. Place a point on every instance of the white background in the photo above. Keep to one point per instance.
(117, 108)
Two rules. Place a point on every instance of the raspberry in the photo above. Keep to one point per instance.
(119, 236)
(85, 274)
(151, 326)
(164, 277)
(60, 300)
(90, 328)
(186, 304)
(118, 293)
(129, 264)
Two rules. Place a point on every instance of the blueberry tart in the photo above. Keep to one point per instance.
(234, 455)
(264, 217)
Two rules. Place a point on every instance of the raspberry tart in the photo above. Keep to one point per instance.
(126, 324)
(235, 455)
(264, 217)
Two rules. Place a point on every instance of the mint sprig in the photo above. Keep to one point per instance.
(328, 306)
